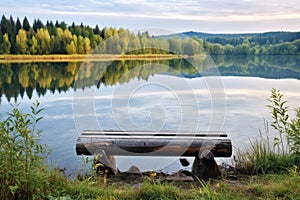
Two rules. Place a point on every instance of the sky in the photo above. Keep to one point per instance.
(167, 16)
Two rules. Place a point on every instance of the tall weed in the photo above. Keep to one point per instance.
(23, 174)
(287, 127)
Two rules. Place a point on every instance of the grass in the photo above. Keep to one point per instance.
(274, 186)
(271, 186)
(81, 57)
(261, 157)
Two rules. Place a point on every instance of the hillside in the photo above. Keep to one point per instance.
(238, 38)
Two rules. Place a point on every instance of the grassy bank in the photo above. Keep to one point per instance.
(81, 57)
(272, 186)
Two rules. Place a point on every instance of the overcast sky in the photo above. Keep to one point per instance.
(213, 16)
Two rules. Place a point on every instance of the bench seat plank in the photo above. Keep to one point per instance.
(146, 143)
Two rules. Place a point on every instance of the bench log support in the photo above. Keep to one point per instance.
(205, 166)
(108, 162)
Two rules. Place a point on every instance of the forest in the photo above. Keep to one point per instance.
(21, 37)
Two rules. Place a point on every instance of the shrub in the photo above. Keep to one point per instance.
(287, 127)
(23, 174)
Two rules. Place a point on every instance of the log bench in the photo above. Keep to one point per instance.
(204, 146)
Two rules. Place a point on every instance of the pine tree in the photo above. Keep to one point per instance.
(12, 36)
(1, 36)
(12, 26)
(37, 24)
(18, 25)
(96, 30)
(26, 25)
(5, 25)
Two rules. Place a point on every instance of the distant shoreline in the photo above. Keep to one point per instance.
(83, 57)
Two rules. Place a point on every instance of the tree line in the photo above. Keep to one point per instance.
(20, 37)
(238, 38)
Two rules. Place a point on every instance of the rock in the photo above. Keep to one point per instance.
(178, 176)
(137, 185)
(227, 168)
(232, 177)
(205, 166)
(184, 162)
(134, 170)
(186, 172)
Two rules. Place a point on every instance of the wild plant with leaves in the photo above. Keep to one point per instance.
(287, 127)
(23, 174)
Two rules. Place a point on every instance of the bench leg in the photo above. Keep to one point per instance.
(205, 166)
(108, 161)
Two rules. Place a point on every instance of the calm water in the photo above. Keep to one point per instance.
(228, 94)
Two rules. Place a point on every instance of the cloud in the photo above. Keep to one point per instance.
(152, 12)
(169, 9)
(208, 10)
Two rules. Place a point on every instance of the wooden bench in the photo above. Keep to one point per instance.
(201, 145)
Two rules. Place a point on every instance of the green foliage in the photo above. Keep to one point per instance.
(207, 190)
(5, 45)
(261, 187)
(242, 49)
(157, 191)
(26, 25)
(63, 39)
(261, 156)
(175, 45)
(22, 171)
(21, 41)
(294, 132)
(287, 127)
(272, 186)
(280, 117)
(43, 40)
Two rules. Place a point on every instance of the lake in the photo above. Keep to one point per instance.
(201, 94)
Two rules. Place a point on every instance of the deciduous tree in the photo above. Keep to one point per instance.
(21, 42)
(5, 46)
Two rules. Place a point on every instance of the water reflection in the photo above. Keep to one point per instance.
(274, 67)
(18, 79)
